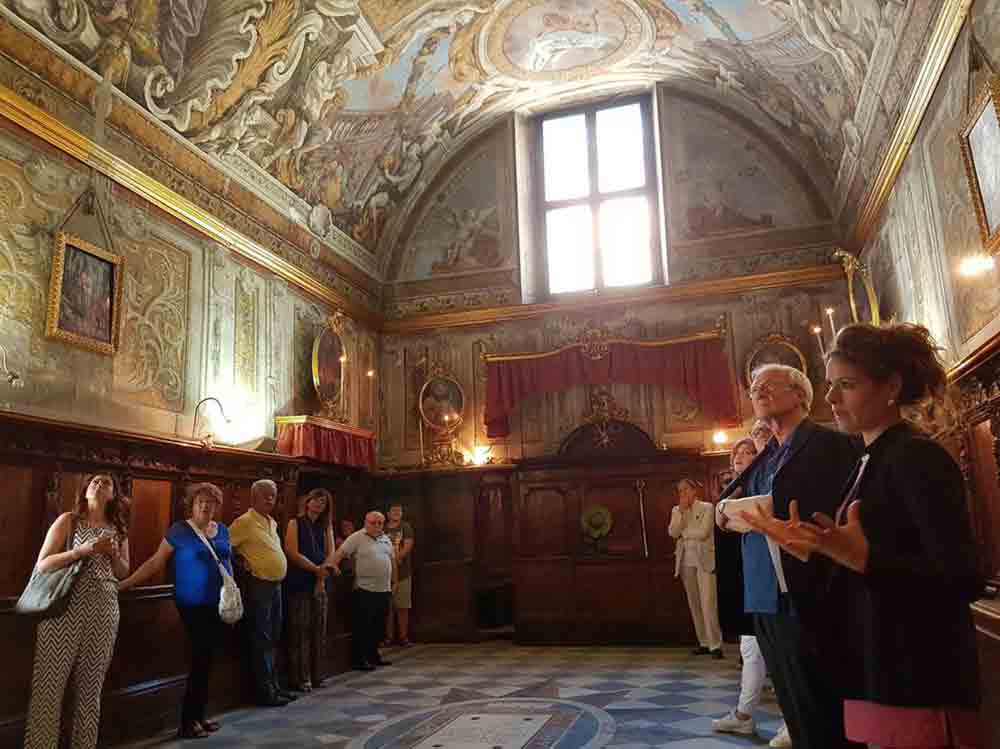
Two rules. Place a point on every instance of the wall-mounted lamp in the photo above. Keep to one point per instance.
(194, 424)
(370, 373)
(720, 437)
(13, 376)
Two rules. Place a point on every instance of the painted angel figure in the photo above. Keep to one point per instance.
(564, 34)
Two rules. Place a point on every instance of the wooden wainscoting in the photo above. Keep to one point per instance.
(43, 464)
(569, 588)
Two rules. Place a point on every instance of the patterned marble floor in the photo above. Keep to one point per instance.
(620, 698)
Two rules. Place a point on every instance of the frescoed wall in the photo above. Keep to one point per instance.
(930, 224)
(195, 321)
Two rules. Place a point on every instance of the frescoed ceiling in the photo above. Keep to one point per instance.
(344, 109)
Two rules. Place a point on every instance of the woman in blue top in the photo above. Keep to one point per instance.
(197, 587)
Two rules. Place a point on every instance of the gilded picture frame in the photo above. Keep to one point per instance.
(329, 360)
(85, 295)
(774, 348)
(980, 142)
(442, 403)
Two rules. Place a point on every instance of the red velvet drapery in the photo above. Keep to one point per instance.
(310, 437)
(699, 368)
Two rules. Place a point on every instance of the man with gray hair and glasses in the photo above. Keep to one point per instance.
(254, 536)
(809, 463)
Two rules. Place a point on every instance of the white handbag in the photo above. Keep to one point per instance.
(230, 599)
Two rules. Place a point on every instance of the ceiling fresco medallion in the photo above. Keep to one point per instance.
(563, 40)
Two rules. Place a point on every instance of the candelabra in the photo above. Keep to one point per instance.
(818, 332)
(13, 376)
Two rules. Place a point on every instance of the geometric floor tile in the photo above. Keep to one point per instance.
(498, 694)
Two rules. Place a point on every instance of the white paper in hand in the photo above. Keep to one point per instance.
(733, 507)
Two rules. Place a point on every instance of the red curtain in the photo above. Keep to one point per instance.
(699, 368)
(326, 444)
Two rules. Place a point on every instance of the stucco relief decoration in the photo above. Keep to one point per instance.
(602, 412)
(351, 106)
(245, 336)
(150, 367)
(593, 342)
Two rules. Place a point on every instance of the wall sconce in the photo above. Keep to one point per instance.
(720, 437)
(13, 376)
(194, 425)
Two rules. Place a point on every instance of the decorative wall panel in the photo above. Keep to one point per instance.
(929, 225)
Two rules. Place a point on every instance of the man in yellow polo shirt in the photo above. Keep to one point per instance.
(254, 536)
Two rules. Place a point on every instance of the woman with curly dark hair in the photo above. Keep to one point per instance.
(906, 561)
(77, 645)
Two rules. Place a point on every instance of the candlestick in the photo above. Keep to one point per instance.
(819, 337)
(833, 326)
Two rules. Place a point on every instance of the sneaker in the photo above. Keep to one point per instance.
(729, 723)
(781, 738)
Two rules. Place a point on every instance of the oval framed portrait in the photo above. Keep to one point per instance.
(442, 403)
(328, 357)
(774, 348)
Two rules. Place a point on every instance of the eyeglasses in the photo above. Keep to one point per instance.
(768, 389)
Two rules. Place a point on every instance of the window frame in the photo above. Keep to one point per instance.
(594, 198)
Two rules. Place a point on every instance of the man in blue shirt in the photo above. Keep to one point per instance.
(809, 463)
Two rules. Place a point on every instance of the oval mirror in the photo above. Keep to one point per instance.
(328, 358)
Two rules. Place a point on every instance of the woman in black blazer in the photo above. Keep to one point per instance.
(902, 539)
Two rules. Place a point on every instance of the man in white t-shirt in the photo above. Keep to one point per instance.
(374, 560)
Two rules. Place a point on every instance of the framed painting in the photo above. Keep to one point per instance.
(980, 139)
(442, 403)
(329, 361)
(773, 348)
(85, 295)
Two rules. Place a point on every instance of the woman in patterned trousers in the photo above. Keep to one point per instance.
(309, 548)
(77, 645)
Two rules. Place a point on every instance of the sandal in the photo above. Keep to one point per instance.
(192, 731)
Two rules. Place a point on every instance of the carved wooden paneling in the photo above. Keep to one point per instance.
(987, 493)
(987, 619)
(449, 516)
(612, 600)
(622, 500)
(543, 599)
(20, 520)
(670, 612)
(494, 529)
(150, 519)
(44, 465)
(443, 602)
(540, 521)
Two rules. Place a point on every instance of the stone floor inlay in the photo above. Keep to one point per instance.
(502, 696)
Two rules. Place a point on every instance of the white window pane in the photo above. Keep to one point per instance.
(564, 142)
(625, 251)
(569, 236)
(620, 148)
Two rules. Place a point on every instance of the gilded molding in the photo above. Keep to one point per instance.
(942, 40)
(694, 290)
(35, 120)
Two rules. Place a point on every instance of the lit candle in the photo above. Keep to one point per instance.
(833, 326)
(819, 337)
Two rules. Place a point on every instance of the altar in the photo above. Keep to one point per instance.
(327, 441)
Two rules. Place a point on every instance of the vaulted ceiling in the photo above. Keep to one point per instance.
(341, 111)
